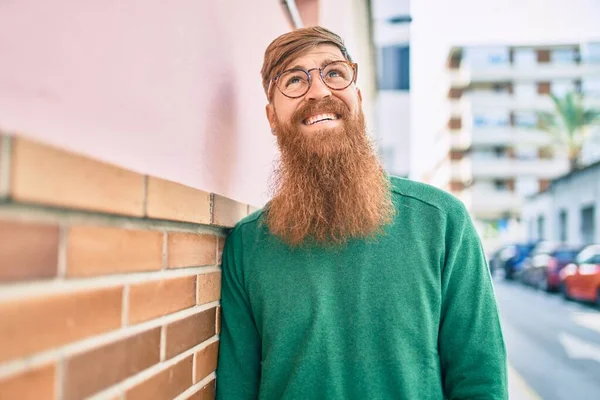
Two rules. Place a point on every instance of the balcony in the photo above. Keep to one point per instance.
(536, 72)
(509, 167)
(463, 139)
(486, 202)
(479, 102)
(503, 136)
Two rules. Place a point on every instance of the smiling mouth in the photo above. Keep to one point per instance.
(315, 119)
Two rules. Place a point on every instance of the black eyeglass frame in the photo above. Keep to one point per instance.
(274, 80)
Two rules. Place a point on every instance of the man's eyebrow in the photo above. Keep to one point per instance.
(323, 63)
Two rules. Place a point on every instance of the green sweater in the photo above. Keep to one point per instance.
(411, 315)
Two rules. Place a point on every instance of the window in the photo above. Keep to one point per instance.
(587, 224)
(526, 152)
(501, 185)
(531, 228)
(591, 86)
(491, 119)
(540, 227)
(590, 53)
(526, 119)
(562, 226)
(563, 56)
(524, 57)
(525, 90)
(561, 88)
(486, 56)
(395, 68)
(588, 254)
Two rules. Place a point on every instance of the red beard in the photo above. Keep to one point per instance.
(328, 186)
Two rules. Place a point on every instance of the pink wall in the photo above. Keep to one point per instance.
(170, 89)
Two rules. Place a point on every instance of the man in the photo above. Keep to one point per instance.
(350, 284)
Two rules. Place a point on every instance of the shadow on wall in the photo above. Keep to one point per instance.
(221, 134)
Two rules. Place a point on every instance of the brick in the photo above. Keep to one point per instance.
(227, 212)
(218, 318)
(206, 361)
(40, 323)
(206, 393)
(96, 250)
(189, 332)
(153, 299)
(209, 287)
(190, 250)
(166, 385)
(90, 372)
(30, 385)
(46, 175)
(173, 201)
(220, 247)
(28, 251)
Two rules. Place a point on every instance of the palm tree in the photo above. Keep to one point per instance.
(570, 123)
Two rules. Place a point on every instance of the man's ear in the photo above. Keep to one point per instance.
(270, 110)
(359, 95)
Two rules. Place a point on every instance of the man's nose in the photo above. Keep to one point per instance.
(318, 90)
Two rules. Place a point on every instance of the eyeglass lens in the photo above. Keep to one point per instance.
(296, 82)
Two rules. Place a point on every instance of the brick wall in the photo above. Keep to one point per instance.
(109, 279)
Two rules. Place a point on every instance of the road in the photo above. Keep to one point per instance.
(553, 345)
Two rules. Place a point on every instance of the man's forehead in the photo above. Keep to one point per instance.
(315, 57)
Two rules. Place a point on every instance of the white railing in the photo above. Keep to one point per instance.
(507, 167)
(535, 72)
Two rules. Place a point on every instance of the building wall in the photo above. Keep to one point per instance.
(168, 89)
(109, 279)
(351, 19)
(393, 102)
(132, 138)
(570, 194)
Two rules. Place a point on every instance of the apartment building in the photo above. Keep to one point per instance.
(490, 152)
(391, 26)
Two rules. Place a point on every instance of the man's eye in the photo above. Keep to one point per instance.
(294, 80)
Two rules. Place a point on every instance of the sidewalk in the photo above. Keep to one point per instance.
(518, 388)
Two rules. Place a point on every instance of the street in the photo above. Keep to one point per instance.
(553, 345)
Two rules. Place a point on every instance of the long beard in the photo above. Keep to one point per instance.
(328, 187)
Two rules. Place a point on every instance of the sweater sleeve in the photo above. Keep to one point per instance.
(471, 344)
(238, 369)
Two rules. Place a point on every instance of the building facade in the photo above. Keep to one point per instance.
(490, 152)
(391, 25)
(568, 211)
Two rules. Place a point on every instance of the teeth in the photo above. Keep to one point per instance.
(318, 118)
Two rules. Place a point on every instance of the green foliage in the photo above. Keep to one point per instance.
(569, 123)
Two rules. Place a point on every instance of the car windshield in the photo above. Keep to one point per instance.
(565, 255)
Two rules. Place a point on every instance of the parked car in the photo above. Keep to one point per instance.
(581, 279)
(541, 269)
(512, 257)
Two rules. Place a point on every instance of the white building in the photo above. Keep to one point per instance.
(568, 211)
(489, 152)
(391, 22)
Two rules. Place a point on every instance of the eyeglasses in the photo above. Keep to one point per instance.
(295, 82)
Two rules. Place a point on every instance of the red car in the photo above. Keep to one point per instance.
(542, 269)
(581, 279)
